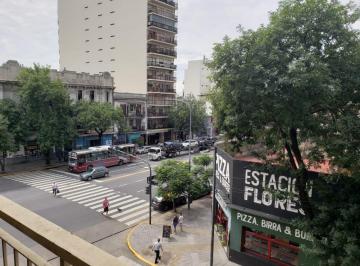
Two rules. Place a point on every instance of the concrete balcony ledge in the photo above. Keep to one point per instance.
(70, 248)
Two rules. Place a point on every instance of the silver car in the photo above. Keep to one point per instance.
(95, 172)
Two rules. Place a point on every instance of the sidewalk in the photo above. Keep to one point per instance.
(31, 165)
(190, 247)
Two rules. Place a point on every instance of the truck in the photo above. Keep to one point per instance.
(166, 150)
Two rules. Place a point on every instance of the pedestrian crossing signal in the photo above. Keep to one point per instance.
(151, 179)
(147, 189)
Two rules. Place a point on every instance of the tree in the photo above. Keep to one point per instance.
(7, 142)
(202, 160)
(179, 116)
(201, 175)
(47, 108)
(12, 121)
(99, 117)
(174, 180)
(293, 87)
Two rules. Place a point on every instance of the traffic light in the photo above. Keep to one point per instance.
(151, 179)
(147, 189)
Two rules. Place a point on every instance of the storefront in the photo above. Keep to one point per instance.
(260, 231)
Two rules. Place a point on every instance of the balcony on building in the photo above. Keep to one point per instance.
(161, 11)
(168, 3)
(162, 37)
(160, 63)
(158, 123)
(160, 100)
(155, 87)
(162, 23)
(65, 247)
(154, 49)
(158, 112)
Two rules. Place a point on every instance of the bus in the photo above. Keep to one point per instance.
(126, 150)
(82, 160)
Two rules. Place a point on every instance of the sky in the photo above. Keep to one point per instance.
(29, 32)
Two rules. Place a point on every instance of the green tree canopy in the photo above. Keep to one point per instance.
(12, 120)
(99, 117)
(174, 179)
(47, 108)
(179, 116)
(293, 87)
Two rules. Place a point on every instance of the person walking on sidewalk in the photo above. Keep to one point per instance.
(106, 205)
(181, 220)
(156, 248)
(175, 222)
(55, 189)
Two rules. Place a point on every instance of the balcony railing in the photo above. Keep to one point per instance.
(161, 38)
(162, 26)
(162, 78)
(163, 51)
(169, 2)
(161, 64)
(68, 247)
(160, 90)
(161, 102)
(170, 15)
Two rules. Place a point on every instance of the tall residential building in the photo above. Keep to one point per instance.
(196, 79)
(198, 84)
(134, 40)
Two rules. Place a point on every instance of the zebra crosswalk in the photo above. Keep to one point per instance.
(89, 195)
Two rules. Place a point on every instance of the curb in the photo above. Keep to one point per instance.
(134, 251)
(31, 170)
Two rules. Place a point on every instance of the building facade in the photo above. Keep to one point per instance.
(133, 40)
(197, 83)
(81, 87)
(254, 225)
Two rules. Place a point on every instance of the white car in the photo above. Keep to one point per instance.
(143, 149)
(193, 143)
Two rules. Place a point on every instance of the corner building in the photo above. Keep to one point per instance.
(133, 40)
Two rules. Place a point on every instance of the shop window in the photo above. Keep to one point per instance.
(269, 247)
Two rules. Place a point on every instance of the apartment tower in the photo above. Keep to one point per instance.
(134, 40)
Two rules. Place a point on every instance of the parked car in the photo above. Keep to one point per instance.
(193, 143)
(156, 153)
(143, 149)
(95, 172)
(158, 203)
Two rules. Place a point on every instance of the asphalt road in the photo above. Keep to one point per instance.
(78, 206)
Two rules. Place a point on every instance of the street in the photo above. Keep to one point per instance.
(78, 207)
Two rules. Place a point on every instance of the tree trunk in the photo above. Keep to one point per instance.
(189, 201)
(47, 157)
(2, 161)
(302, 177)
(174, 207)
(100, 134)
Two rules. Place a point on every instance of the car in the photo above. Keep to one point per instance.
(156, 153)
(158, 203)
(143, 149)
(193, 143)
(94, 172)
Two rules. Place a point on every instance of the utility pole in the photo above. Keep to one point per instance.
(213, 212)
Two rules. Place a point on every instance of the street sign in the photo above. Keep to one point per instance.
(166, 231)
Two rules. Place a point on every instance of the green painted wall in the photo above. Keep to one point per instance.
(281, 230)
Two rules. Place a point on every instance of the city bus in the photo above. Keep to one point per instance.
(82, 160)
(126, 150)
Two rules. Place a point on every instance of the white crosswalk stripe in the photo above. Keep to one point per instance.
(88, 194)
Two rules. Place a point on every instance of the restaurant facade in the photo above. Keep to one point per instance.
(253, 221)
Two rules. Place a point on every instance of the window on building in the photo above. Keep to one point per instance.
(80, 95)
(99, 15)
(87, 51)
(92, 96)
(112, 60)
(100, 38)
(112, 12)
(87, 40)
(87, 62)
(270, 247)
(112, 36)
(112, 24)
(112, 48)
(100, 61)
(100, 49)
(99, 27)
(87, 29)
(99, 3)
(107, 96)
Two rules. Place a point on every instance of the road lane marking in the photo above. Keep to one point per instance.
(94, 201)
(144, 205)
(128, 217)
(120, 177)
(100, 205)
(90, 192)
(142, 190)
(103, 193)
(123, 185)
(65, 173)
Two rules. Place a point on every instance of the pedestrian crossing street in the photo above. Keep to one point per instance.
(89, 195)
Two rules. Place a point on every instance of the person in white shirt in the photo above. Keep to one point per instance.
(181, 220)
(156, 248)
(55, 189)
